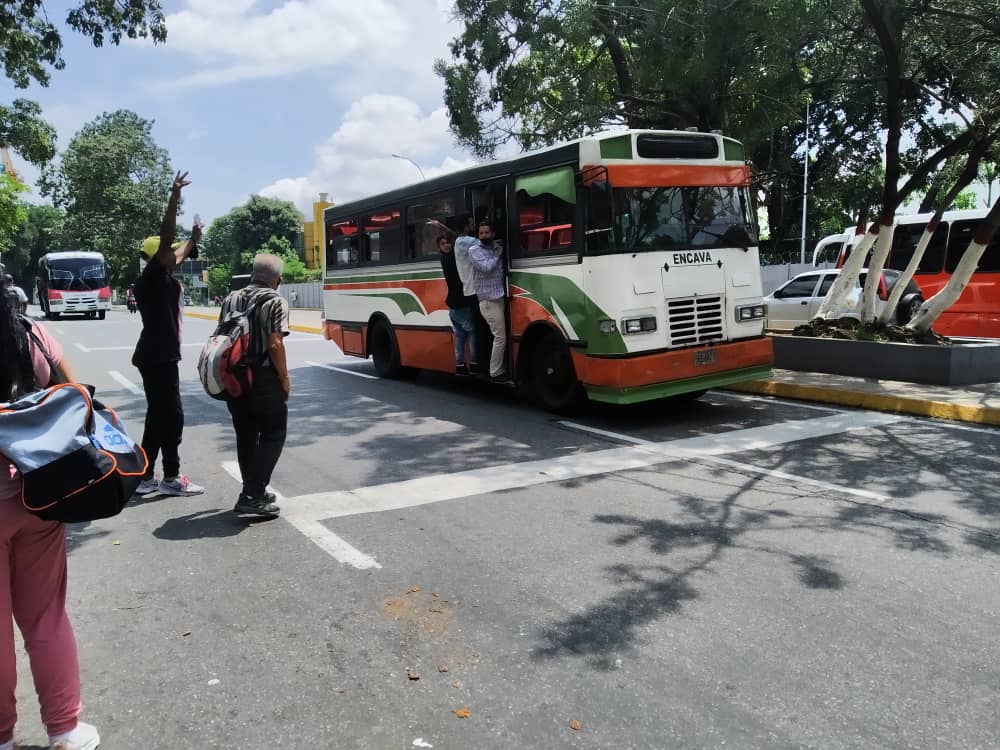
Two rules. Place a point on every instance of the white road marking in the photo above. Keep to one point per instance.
(438, 487)
(605, 433)
(994, 431)
(189, 345)
(773, 400)
(125, 382)
(829, 486)
(313, 528)
(344, 370)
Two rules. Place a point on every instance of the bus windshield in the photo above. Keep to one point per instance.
(77, 275)
(668, 218)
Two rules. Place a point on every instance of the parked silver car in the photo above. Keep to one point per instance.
(797, 300)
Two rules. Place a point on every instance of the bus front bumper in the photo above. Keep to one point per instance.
(645, 377)
(78, 306)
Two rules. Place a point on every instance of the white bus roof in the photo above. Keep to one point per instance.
(972, 213)
(71, 254)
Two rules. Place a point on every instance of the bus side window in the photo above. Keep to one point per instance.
(904, 243)
(383, 233)
(961, 235)
(342, 244)
(545, 225)
(421, 232)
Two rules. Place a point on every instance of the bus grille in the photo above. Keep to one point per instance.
(694, 320)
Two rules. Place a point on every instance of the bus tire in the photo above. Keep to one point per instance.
(385, 352)
(552, 375)
(52, 315)
(102, 314)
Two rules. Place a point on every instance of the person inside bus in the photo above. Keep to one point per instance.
(158, 351)
(460, 310)
(486, 257)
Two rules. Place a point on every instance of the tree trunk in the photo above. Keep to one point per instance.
(911, 268)
(931, 310)
(967, 175)
(869, 295)
(837, 300)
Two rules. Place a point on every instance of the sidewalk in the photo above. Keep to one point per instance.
(979, 404)
(303, 321)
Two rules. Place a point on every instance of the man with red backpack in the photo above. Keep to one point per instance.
(260, 416)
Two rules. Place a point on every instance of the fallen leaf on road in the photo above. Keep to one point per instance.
(462, 713)
(186, 633)
(412, 674)
(413, 589)
(436, 610)
(435, 594)
(575, 725)
(116, 542)
(442, 667)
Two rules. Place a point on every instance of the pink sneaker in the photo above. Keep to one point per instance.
(84, 737)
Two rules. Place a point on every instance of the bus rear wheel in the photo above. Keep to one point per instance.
(553, 377)
(102, 314)
(385, 352)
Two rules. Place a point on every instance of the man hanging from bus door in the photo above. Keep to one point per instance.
(458, 258)
(459, 309)
(488, 281)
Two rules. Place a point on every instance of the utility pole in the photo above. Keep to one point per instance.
(406, 158)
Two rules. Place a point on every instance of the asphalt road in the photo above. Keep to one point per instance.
(736, 572)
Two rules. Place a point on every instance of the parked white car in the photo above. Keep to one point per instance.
(797, 300)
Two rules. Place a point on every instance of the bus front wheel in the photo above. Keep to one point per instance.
(102, 314)
(553, 377)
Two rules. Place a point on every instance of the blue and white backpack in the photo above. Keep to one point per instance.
(76, 460)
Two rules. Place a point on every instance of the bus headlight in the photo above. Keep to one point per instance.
(645, 324)
(746, 313)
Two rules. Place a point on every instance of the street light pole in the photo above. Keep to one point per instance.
(406, 158)
(805, 191)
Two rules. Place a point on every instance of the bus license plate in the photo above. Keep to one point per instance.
(705, 357)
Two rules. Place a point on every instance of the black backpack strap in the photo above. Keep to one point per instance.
(56, 373)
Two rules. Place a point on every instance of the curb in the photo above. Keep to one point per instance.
(296, 328)
(874, 401)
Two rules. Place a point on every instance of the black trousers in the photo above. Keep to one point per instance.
(261, 423)
(164, 416)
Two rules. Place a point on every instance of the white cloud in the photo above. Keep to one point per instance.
(356, 160)
(234, 40)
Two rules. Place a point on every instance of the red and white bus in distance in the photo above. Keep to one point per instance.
(976, 314)
(74, 282)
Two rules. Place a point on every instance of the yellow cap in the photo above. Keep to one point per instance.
(151, 244)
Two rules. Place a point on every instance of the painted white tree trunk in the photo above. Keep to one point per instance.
(838, 300)
(911, 268)
(931, 310)
(869, 297)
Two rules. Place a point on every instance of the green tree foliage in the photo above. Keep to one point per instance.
(39, 233)
(23, 129)
(12, 210)
(113, 182)
(218, 280)
(31, 45)
(247, 228)
(540, 71)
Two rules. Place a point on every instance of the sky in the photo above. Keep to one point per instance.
(286, 98)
